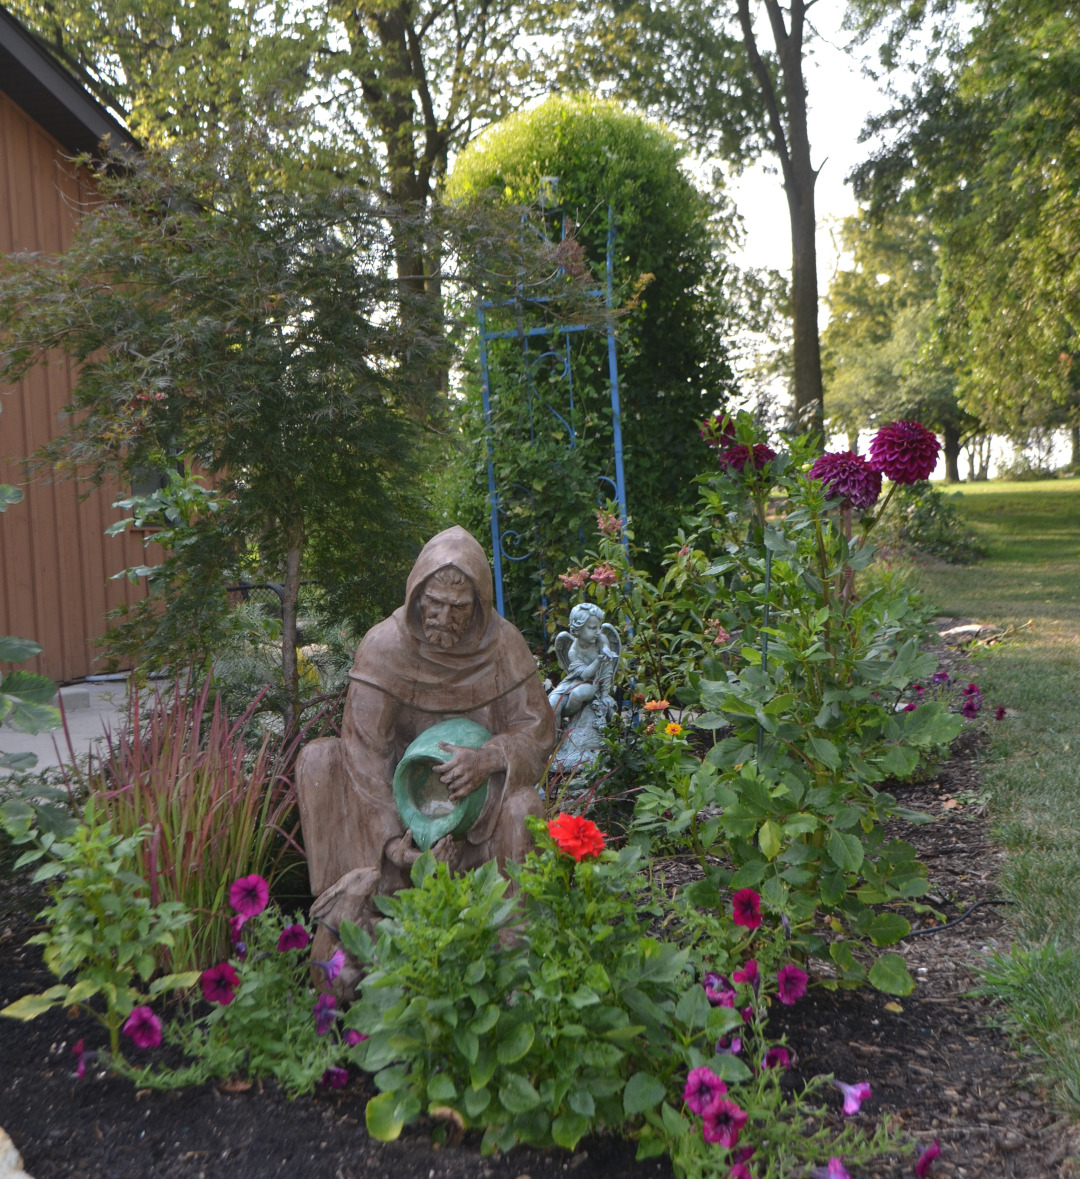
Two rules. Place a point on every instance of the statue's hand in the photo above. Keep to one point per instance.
(345, 900)
(467, 769)
(402, 852)
(447, 851)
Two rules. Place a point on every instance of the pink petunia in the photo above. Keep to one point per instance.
(219, 984)
(791, 984)
(703, 1089)
(746, 908)
(144, 1028)
(835, 1170)
(748, 974)
(249, 895)
(776, 1057)
(740, 1171)
(293, 937)
(854, 1095)
(723, 1121)
(922, 1165)
(332, 967)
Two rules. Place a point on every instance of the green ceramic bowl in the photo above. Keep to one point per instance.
(422, 801)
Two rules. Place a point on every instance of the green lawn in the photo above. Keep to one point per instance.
(1030, 581)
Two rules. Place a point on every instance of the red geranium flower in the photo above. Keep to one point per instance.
(576, 836)
(906, 452)
(746, 908)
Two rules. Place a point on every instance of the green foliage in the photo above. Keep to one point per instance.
(212, 810)
(102, 926)
(805, 704)
(268, 1029)
(24, 698)
(673, 362)
(924, 519)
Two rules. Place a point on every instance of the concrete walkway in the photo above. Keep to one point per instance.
(91, 710)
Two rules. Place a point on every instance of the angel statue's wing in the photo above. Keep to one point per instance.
(611, 638)
(562, 648)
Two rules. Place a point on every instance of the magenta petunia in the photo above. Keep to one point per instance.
(905, 452)
(219, 984)
(703, 1089)
(718, 990)
(970, 707)
(835, 1170)
(848, 477)
(748, 974)
(735, 458)
(335, 1078)
(729, 1046)
(972, 690)
(249, 895)
(236, 924)
(776, 1057)
(723, 1121)
(854, 1095)
(791, 984)
(740, 1171)
(144, 1028)
(999, 713)
(746, 908)
(747, 1014)
(940, 677)
(325, 1013)
(922, 1165)
(293, 937)
(353, 1037)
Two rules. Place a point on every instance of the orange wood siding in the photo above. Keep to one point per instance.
(55, 560)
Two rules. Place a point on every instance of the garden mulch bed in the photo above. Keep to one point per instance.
(937, 1066)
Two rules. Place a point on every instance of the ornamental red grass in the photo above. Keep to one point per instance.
(849, 478)
(576, 836)
(905, 452)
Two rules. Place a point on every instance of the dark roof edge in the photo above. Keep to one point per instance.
(31, 77)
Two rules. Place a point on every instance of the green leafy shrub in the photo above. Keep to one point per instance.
(101, 926)
(927, 520)
(24, 695)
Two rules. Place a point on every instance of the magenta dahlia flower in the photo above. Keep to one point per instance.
(905, 452)
(848, 477)
(736, 457)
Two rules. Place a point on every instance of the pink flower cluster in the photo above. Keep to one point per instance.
(706, 1095)
(604, 574)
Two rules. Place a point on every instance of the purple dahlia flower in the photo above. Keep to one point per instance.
(905, 452)
(736, 457)
(849, 477)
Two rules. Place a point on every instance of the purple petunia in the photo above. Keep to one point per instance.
(854, 1095)
(353, 1037)
(718, 990)
(922, 1165)
(740, 1171)
(970, 707)
(723, 1121)
(940, 677)
(848, 477)
(249, 895)
(332, 968)
(293, 937)
(776, 1057)
(325, 1013)
(905, 452)
(703, 1089)
(999, 713)
(219, 984)
(335, 1078)
(791, 984)
(144, 1028)
(729, 1046)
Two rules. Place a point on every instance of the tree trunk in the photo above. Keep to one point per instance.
(289, 603)
(952, 454)
(853, 441)
(1074, 436)
(791, 143)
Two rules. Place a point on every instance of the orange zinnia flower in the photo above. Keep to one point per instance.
(656, 705)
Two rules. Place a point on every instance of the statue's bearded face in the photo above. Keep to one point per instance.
(446, 611)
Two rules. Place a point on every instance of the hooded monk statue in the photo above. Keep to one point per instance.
(445, 654)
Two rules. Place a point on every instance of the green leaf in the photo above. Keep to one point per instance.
(643, 1092)
(15, 650)
(32, 718)
(769, 839)
(568, 1129)
(517, 1094)
(516, 1044)
(9, 495)
(467, 1043)
(749, 875)
(825, 751)
(845, 851)
(382, 1117)
(889, 974)
(357, 941)
(702, 895)
(693, 1007)
(30, 1006)
(441, 1089)
(29, 686)
(888, 928)
(476, 1101)
(175, 982)
(730, 1068)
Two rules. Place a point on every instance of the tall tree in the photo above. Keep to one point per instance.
(986, 148)
(883, 358)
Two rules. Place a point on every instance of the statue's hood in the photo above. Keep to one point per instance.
(490, 659)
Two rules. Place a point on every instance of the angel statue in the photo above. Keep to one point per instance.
(589, 654)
